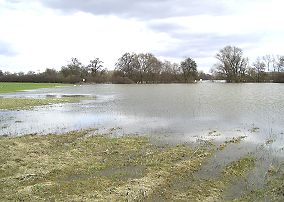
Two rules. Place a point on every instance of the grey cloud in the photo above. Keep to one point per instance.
(143, 9)
(166, 27)
(206, 45)
(6, 49)
(199, 45)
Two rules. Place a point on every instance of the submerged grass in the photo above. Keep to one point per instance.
(27, 103)
(240, 167)
(85, 166)
(80, 166)
(234, 140)
(7, 87)
(273, 190)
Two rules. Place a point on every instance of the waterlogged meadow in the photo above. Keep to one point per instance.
(7, 87)
(87, 166)
(28, 103)
(23, 103)
(199, 142)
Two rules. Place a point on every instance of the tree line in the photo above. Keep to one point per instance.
(232, 66)
(130, 68)
(73, 72)
(146, 68)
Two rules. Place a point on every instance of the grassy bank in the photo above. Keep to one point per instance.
(8, 87)
(27, 103)
(81, 166)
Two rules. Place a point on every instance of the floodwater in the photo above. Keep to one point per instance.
(175, 113)
(178, 111)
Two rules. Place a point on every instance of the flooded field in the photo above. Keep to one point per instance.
(178, 112)
(243, 122)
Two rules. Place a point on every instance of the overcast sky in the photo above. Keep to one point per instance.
(36, 34)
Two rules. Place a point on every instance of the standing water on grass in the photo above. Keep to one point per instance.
(177, 111)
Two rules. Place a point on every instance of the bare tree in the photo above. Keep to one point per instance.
(72, 68)
(167, 72)
(274, 62)
(146, 68)
(232, 64)
(279, 63)
(189, 69)
(126, 65)
(259, 68)
(149, 67)
(268, 59)
(95, 66)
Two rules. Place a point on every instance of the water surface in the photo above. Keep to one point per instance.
(180, 112)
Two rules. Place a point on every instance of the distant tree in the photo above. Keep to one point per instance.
(167, 67)
(167, 72)
(31, 73)
(170, 72)
(72, 68)
(138, 68)
(1, 73)
(177, 72)
(95, 66)
(232, 64)
(148, 67)
(74, 71)
(278, 66)
(259, 68)
(126, 65)
(154, 72)
(280, 63)
(251, 74)
(189, 70)
(268, 59)
(143, 66)
(50, 72)
(50, 75)
(20, 74)
(204, 76)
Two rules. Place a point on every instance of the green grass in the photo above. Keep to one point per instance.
(28, 103)
(8, 87)
(240, 167)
